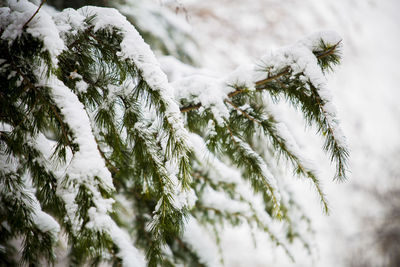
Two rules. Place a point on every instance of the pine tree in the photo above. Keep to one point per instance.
(97, 147)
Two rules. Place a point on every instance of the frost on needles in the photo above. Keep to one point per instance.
(100, 150)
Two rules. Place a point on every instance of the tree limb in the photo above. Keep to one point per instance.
(34, 14)
(262, 82)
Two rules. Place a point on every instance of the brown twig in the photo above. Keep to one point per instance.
(242, 111)
(191, 107)
(267, 80)
(260, 83)
(231, 134)
(34, 14)
(330, 51)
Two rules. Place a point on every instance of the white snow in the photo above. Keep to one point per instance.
(176, 70)
(313, 41)
(290, 141)
(134, 48)
(41, 26)
(199, 87)
(69, 20)
(201, 242)
(173, 31)
(87, 168)
(42, 220)
(220, 201)
(244, 75)
(130, 256)
(219, 171)
(87, 163)
(210, 92)
(300, 59)
(81, 86)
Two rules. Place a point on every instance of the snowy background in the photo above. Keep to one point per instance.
(365, 88)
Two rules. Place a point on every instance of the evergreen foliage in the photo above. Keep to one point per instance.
(95, 150)
(158, 26)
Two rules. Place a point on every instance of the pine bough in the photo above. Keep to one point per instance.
(96, 150)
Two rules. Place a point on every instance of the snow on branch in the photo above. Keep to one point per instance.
(295, 72)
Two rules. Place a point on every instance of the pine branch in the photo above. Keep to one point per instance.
(255, 170)
(52, 107)
(338, 152)
(190, 107)
(329, 51)
(269, 127)
(20, 215)
(211, 176)
(272, 78)
(306, 97)
(259, 84)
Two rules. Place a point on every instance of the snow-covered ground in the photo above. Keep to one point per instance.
(365, 88)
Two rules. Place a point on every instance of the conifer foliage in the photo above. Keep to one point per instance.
(99, 149)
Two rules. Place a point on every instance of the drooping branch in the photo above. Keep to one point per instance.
(259, 84)
(290, 154)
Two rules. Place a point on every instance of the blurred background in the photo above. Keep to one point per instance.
(363, 228)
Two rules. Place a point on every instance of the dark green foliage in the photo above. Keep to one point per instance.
(30, 110)
(17, 221)
(138, 139)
